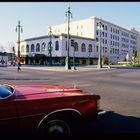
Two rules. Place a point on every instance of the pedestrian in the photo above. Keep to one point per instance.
(19, 64)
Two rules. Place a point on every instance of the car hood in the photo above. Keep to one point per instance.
(45, 91)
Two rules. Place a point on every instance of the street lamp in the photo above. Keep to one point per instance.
(100, 28)
(109, 58)
(19, 30)
(67, 61)
(50, 46)
(89, 51)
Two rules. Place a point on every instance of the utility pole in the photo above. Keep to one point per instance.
(100, 28)
(19, 30)
(67, 62)
(50, 46)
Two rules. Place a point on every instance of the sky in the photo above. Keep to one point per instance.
(35, 17)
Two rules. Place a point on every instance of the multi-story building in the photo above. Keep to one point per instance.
(117, 43)
(36, 50)
(121, 42)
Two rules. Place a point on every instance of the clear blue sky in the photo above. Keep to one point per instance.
(35, 17)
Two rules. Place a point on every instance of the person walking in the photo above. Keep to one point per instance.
(19, 65)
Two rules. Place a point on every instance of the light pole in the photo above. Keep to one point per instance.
(89, 55)
(109, 58)
(19, 30)
(67, 61)
(100, 28)
(50, 46)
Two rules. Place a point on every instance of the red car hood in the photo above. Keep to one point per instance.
(45, 91)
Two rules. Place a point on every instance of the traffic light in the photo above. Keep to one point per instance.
(72, 43)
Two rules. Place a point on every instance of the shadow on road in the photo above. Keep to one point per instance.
(113, 125)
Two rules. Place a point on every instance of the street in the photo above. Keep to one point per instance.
(119, 90)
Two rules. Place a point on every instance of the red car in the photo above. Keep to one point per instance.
(45, 109)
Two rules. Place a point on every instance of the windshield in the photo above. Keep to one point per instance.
(5, 91)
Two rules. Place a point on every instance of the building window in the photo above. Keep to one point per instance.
(56, 45)
(32, 48)
(97, 48)
(27, 48)
(97, 39)
(97, 24)
(106, 27)
(103, 34)
(77, 26)
(103, 41)
(83, 48)
(37, 47)
(81, 26)
(96, 32)
(105, 49)
(76, 47)
(43, 47)
(90, 48)
(66, 45)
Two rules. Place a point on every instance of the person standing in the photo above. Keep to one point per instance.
(19, 64)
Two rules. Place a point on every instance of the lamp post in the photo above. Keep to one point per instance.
(109, 58)
(100, 28)
(89, 55)
(67, 61)
(50, 46)
(19, 30)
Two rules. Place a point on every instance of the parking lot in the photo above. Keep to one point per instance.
(119, 89)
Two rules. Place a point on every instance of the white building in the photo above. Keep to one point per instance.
(36, 50)
(118, 43)
(121, 41)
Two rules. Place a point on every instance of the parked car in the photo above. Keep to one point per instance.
(45, 109)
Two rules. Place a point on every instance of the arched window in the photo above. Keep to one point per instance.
(27, 48)
(97, 48)
(83, 47)
(90, 48)
(22, 48)
(43, 47)
(32, 48)
(37, 47)
(56, 45)
(76, 46)
(66, 45)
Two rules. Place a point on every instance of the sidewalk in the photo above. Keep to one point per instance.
(62, 68)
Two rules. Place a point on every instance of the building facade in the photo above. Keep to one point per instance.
(36, 50)
(117, 43)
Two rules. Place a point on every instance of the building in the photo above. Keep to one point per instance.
(36, 50)
(121, 42)
(117, 43)
(3, 58)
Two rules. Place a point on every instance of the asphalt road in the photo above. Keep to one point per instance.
(119, 89)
